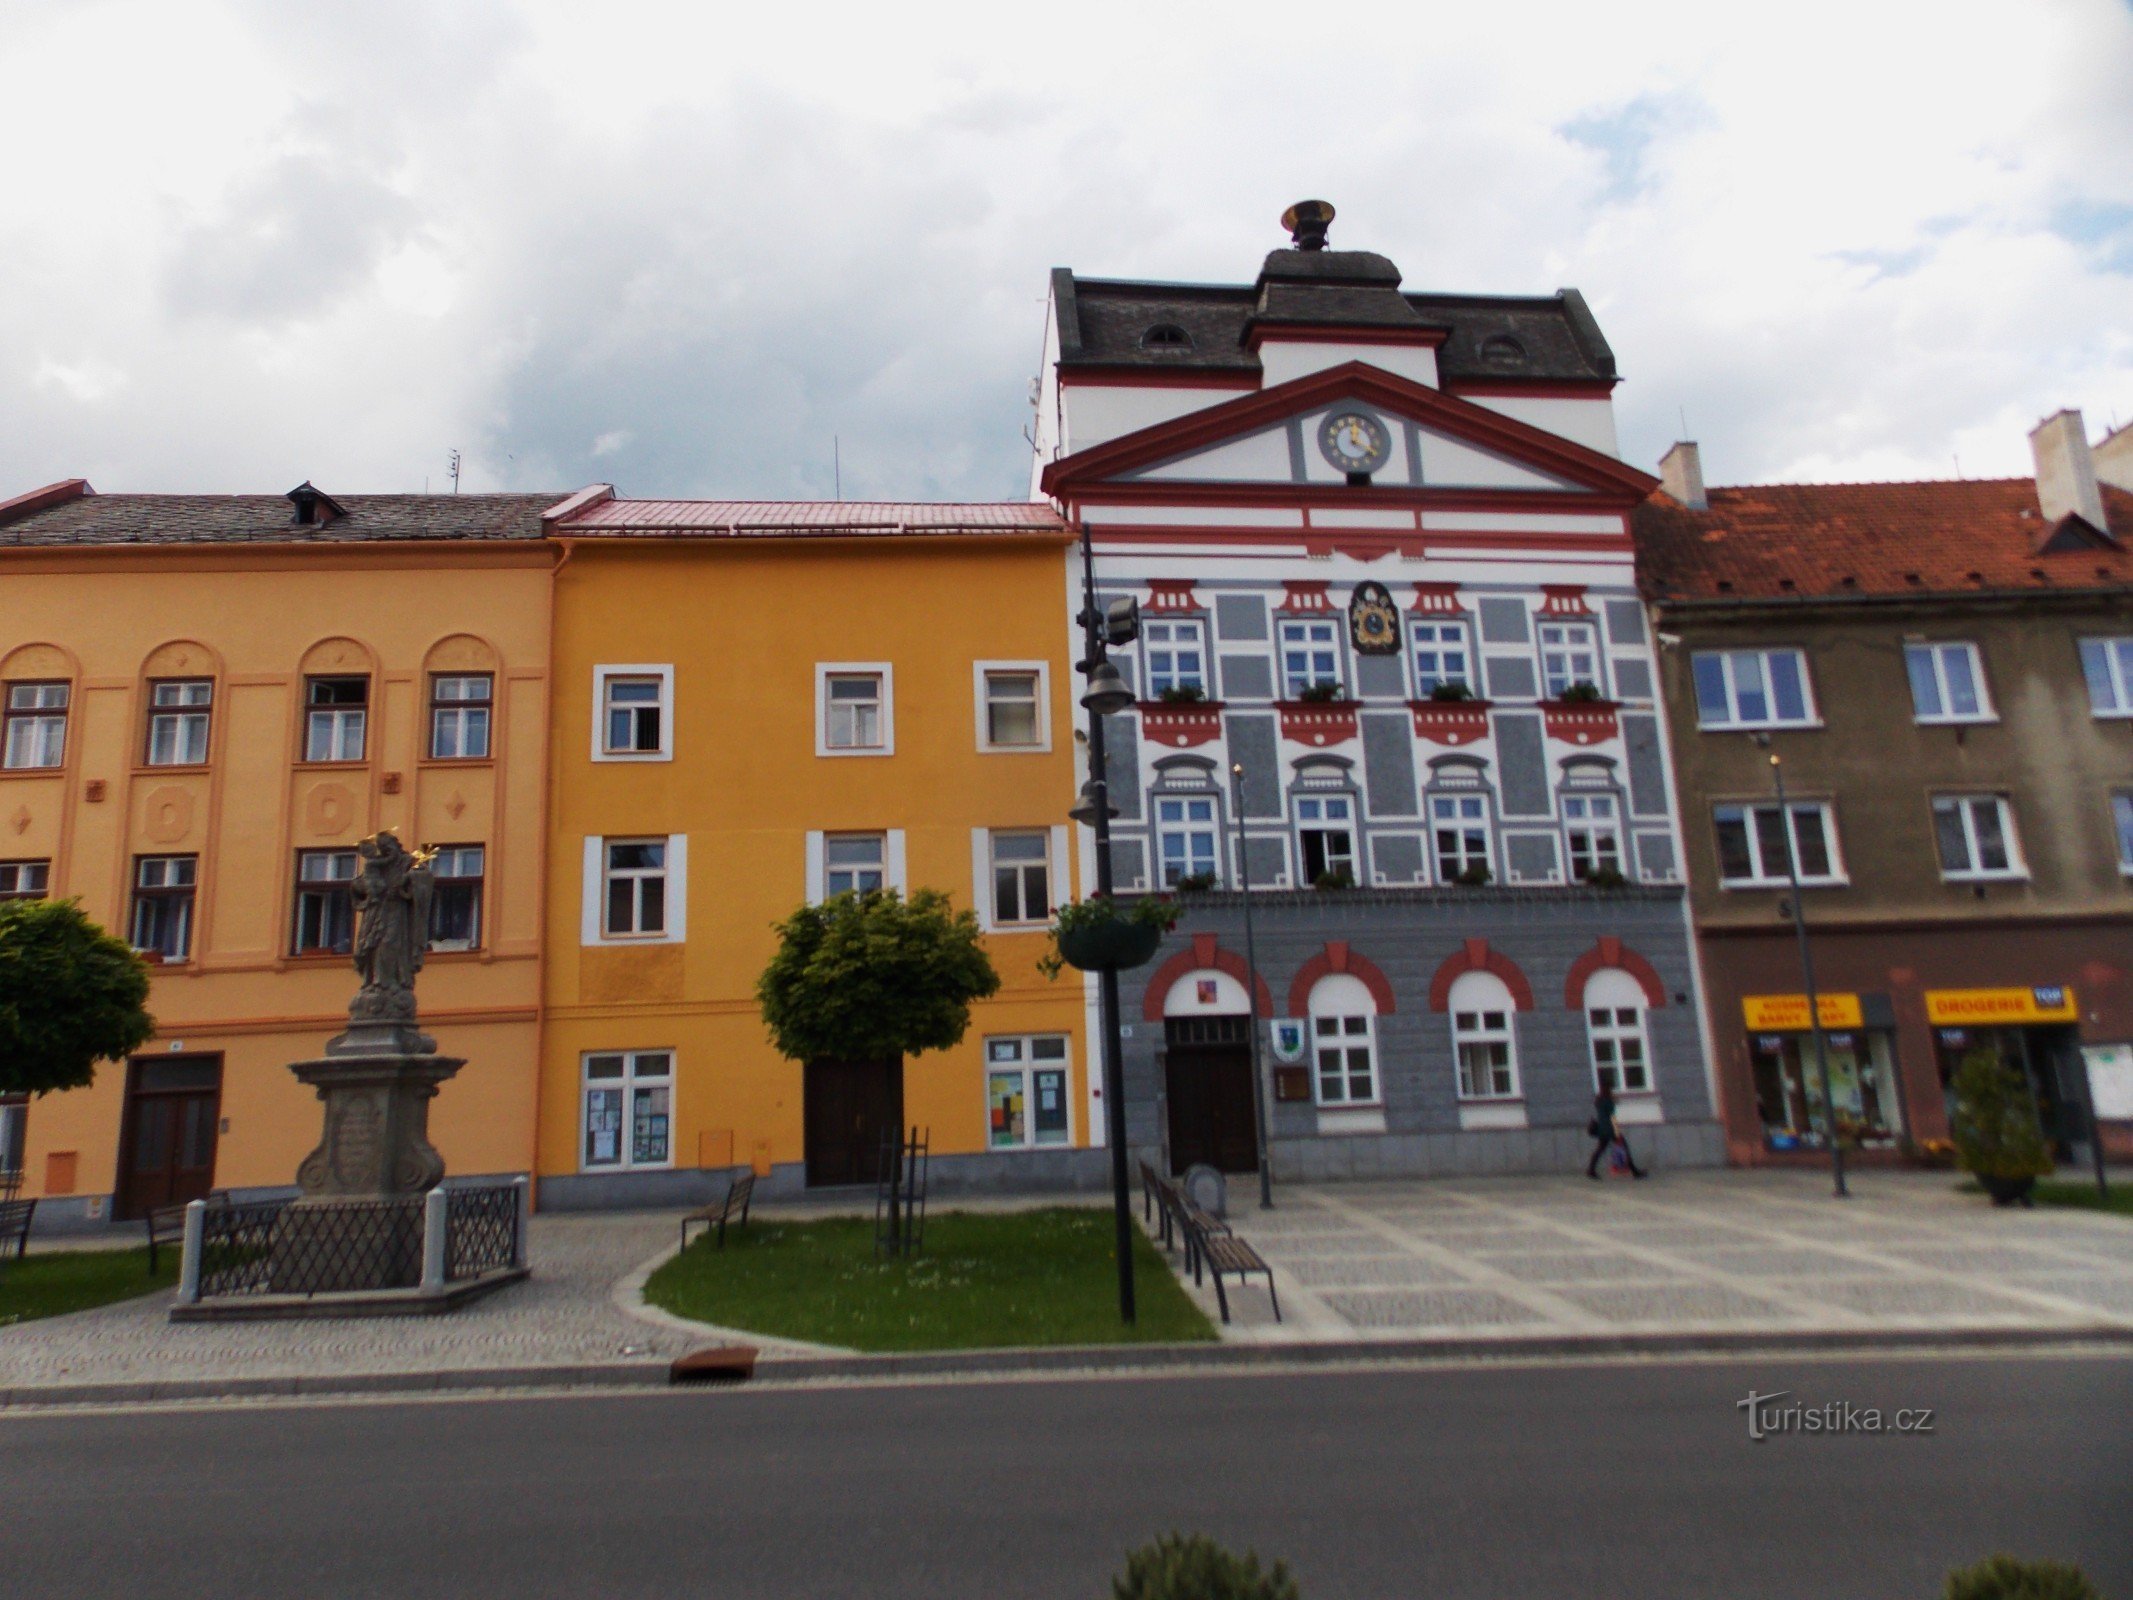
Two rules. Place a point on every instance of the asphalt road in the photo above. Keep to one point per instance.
(1546, 1481)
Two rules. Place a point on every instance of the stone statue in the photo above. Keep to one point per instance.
(392, 902)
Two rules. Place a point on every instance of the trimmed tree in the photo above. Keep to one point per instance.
(70, 996)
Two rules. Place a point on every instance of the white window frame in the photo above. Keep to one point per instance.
(1470, 1026)
(592, 923)
(824, 671)
(40, 719)
(892, 859)
(1341, 1000)
(1305, 797)
(1187, 828)
(1773, 876)
(17, 871)
(1464, 645)
(981, 675)
(1566, 647)
(342, 866)
(456, 855)
(602, 675)
(1455, 793)
(339, 719)
(2122, 828)
(1306, 631)
(1931, 654)
(628, 1085)
(1604, 1025)
(1025, 1064)
(1965, 806)
(187, 720)
(171, 882)
(461, 715)
(1173, 636)
(1810, 717)
(1571, 799)
(2107, 664)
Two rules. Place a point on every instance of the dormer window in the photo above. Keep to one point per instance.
(1166, 336)
(314, 508)
(1501, 350)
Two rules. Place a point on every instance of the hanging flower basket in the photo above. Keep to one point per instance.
(1099, 935)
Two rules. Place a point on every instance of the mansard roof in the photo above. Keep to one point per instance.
(71, 513)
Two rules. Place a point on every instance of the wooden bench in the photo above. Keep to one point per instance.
(166, 1224)
(15, 1227)
(1209, 1242)
(739, 1191)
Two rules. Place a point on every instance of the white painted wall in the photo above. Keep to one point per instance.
(1097, 412)
(1588, 422)
(1261, 457)
(1282, 360)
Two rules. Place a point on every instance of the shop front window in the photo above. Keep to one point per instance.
(1788, 1089)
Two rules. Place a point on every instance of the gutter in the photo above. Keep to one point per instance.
(1922, 597)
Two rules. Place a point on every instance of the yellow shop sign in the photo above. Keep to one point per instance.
(1981, 1007)
(1787, 1013)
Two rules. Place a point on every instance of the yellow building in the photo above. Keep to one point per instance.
(761, 704)
(208, 701)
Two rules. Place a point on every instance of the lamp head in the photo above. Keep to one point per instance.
(1108, 693)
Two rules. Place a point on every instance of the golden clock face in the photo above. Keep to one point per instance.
(1373, 620)
(1354, 441)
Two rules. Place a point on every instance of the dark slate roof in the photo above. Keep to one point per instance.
(155, 519)
(1802, 541)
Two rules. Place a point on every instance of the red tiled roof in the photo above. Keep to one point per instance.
(1787, 541)
(773, 519)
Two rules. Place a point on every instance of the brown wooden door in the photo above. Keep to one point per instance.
(1208, 1084)
(167, 1150)
(851, 1107)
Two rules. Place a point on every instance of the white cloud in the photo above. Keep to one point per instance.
(687, 247)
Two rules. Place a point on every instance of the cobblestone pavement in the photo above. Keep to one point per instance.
(1683, 1253)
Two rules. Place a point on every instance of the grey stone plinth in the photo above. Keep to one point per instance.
(376, 1139)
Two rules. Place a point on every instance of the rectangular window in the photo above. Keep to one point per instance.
(1976, 837)
(1347, 1060)
(634, 888)
(1310, 657)
(1026, 1092)
(2121, 820)
(1751, 689)
(2107, 664)
(1752, 843)
(336, 712)
(1014, 709)
(1459, 835)
(325, 911)
(1325, 831)
(1441, 656)
(854, 863)
(629, 1110)
(455, 900)
(1177, 657)
(633, 714)
(36, 724)
(1592, 825)
(178, 710)
(1021, 878)
(854, 712)
(1621, 1063)
(1570, 656)
(163, 905)
(1947, 683)
(1488, 1068)
(1185, 837)
(25, 880)
(459, 716)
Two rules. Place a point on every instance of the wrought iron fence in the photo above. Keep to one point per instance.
(480, 1230)
(277, 1247)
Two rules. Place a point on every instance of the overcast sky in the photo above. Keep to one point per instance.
(683, 247)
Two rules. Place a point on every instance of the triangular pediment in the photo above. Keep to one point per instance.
(1410, 437)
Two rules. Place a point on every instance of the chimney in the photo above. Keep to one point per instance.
(2114, 459)
(1307, 222)
(2066, 472)
(1681, 475)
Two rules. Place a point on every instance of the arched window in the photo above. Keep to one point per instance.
(1614, 1022)
(1482, 1038)
(1344, 1040)
(1166, 336)
(1501, 350)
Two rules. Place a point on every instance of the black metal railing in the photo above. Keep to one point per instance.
(237, 1247)
(480, 1230)
(329, 1247)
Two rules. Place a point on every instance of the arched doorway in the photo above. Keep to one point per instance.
(1212, 1110)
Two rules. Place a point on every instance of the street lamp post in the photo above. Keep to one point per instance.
(1807, 974)
(1251, 990)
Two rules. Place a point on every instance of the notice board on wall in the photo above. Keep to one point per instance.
(2110, 1080)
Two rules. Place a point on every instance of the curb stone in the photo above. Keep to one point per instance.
(949, 1365)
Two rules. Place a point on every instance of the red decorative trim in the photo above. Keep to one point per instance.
(1317, 722)
(1274, 331)
(1476, 956)
(1582, 723)
(1351, 380)
(1452, 722)
(1436, 600)
(1534, 388)
(1204, 955)
(1123, 377)
(1611, 952)
(1306, 598)
(1362, 546)
(1181, 724)
(1172, 594)
(1564, 600)
(1337, 957)
(1395, 497)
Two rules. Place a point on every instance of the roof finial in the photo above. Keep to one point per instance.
(1307, 221)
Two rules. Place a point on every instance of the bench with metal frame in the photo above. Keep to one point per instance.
(166, 1224)
(1209, 1243)
(739, 1193)
(15, 1218)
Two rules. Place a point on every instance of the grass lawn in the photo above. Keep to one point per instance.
(981, 1279)
(2082, 1194)
(54, 1282)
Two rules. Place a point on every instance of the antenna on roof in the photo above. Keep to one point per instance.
(1683, 412)
(837, 464)
(452, 471)
(1958, 463)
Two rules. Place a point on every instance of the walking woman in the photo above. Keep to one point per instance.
(1607, 1132)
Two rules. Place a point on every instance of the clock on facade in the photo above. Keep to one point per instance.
(1354, 441)
(1373, 620)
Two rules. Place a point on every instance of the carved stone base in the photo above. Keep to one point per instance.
(377, 1100)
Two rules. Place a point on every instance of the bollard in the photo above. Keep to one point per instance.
(189, 1260)
(433, 1241)
(522, 1248)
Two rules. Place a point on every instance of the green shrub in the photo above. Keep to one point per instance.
(1196, 1568)
(2004, 1578)
(1996, 1132)
(1338, 878)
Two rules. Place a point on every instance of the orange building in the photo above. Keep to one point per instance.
(208, 701)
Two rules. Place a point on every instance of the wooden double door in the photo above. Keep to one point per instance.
(851, 1108)
(167, 1142)
(1207, 1081)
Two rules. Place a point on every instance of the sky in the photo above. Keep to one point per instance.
(778, 250)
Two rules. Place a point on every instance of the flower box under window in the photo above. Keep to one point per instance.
(1452, 722)
(1580, 722)
(1181, 724)
(1317, 722)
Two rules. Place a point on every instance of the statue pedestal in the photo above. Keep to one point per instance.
(358, 1221)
